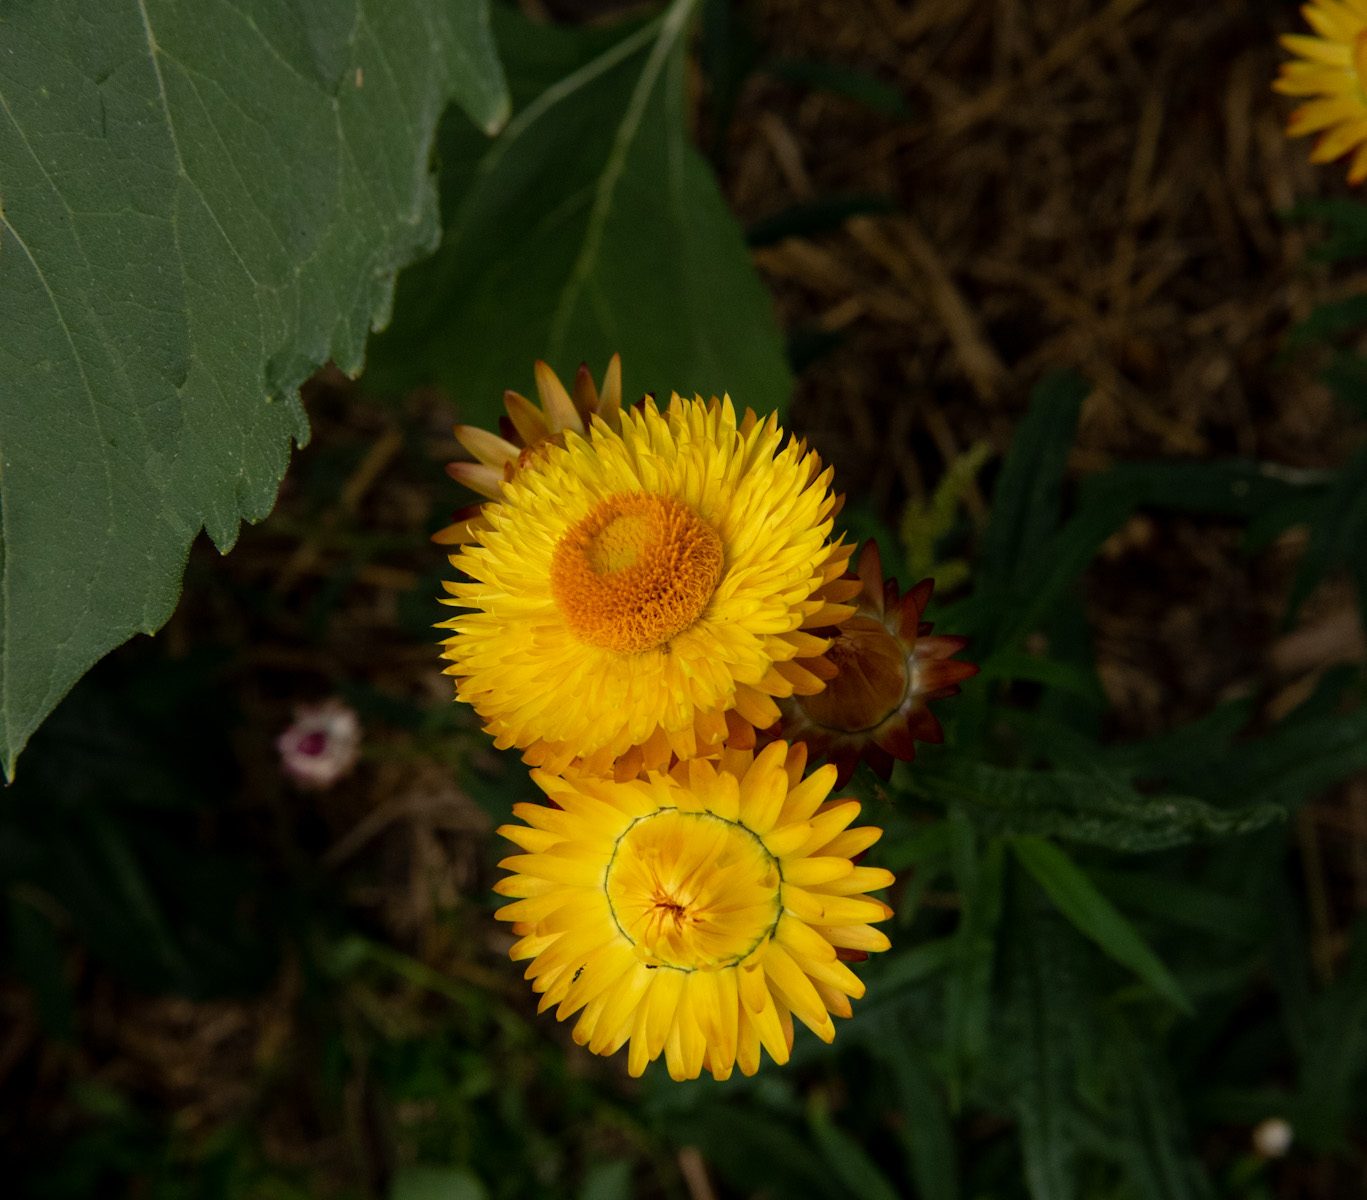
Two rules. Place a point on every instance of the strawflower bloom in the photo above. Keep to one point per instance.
(647, 592)
(524, 435)
(322, 745)
(888, 667)
(694, 914)
(1331, 68)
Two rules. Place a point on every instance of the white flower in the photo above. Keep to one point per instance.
(1272, 1137)
(322, 745)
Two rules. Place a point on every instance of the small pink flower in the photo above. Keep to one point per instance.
(322, 745)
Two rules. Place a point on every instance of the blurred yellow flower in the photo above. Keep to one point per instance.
(1331, 67)
(647, 592)
(694, 914)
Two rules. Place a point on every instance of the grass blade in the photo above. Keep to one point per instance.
(1075, 896)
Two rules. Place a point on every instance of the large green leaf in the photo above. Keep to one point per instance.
(199, 204)
(592, 226)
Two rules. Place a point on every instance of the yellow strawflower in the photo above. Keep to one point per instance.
(1331, 67)
(694, 914)
(647, 591)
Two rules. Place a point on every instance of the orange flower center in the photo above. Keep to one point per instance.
(634, 572)
(693, 891)
(871, 682)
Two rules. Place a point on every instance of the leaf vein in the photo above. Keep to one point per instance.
(670, 31)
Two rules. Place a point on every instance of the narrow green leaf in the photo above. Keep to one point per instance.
(1060, 561)
(436, 1183)
(1182, 903)
(1346, 223)
(728, 52)
(1094, 807)
(1357, 572)
(1067, 631)
(1181, 751)
(607, 1181)
(1026, 502)
(1049, 672)
(847, 1159)
(1334, 1064)
(1338, 534)
(928, 846)
(756, 1151)
(815, 216)
(202, 203)
(1346, 376)
(1300, 508)
(904, 969)
(1077, 898)
(1054, 740)
(1297, 759)
(1327, 321)
(925, 1130)
(1234, 488)
(597, 225)
(1041, 1031)
(1238, 488)
(968, 995)
(130, 892)
(842, 80)
(1288, 963)
(39, 960)
(1155, 1145)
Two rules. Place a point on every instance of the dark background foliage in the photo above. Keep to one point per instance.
(1077, 327)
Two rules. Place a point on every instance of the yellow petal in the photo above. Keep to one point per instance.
(798, 992)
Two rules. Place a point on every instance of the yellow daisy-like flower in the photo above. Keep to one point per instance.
(1332, 68)
(646, 592)
(694, 914)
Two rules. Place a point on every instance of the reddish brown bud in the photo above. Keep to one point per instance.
(886, 667)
